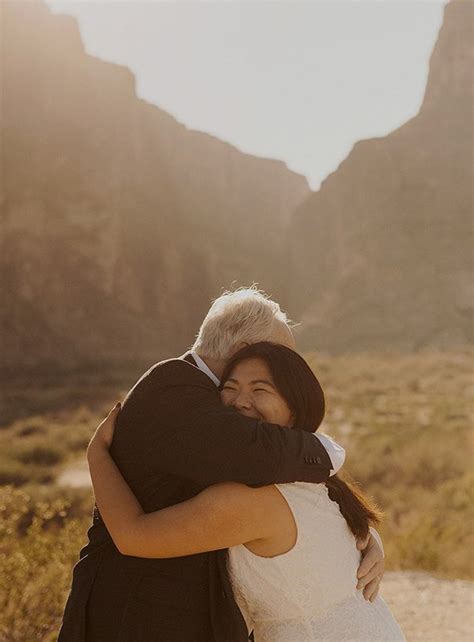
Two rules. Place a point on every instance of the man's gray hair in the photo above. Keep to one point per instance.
(245, 315)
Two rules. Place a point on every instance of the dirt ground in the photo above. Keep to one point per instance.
(429, 609)
(75, 475)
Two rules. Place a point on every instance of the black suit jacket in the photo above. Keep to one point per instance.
(174, 438)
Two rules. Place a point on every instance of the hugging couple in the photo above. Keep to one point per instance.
(219, 515)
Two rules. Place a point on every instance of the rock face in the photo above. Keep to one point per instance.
(383, 253)
(118, 223)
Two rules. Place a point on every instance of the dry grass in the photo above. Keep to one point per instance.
(405, 421)
(40, 536)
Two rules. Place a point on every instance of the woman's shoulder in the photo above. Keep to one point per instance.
(306, 500)
(306, 491)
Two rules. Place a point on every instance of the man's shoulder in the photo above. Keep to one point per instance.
(174, 372)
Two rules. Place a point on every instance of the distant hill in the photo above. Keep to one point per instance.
(383, 253)
(118, 223)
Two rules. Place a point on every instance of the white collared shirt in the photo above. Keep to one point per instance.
(205, 368)
(336, 453)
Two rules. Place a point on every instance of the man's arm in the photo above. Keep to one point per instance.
(219, 517)
(175, 422)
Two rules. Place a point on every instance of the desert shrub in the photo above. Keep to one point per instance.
(405, 421)
(79, 503)
(30, 429)
(33, 449)
(12, 472)
(38, 453)
(35, 563)
(433, 531)
(78, 435)
(18, 474)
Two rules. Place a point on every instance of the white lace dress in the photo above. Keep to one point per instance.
(310, 592)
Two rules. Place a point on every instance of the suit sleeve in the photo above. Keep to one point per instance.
(190, 434)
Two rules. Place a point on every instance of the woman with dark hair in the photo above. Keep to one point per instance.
(292, 554)
(298, 385)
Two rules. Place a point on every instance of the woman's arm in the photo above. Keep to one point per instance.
(221, 516)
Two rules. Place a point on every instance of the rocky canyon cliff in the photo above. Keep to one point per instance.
(119, 224)
(383, 252)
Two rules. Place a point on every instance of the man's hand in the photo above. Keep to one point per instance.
(372, 567)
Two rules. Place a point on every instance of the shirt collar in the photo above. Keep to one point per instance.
(204, 368)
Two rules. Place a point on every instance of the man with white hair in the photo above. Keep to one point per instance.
(173, 438)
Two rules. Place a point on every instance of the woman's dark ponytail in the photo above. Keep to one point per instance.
(358, 511)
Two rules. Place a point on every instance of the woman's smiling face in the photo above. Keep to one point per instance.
(250, 389)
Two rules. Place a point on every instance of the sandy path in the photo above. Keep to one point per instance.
(75, 476)
(428, 609)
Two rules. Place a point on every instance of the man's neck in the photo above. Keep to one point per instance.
(216, 366)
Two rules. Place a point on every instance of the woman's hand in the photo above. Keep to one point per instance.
(104, 433)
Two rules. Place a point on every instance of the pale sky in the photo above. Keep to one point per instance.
(298, 81)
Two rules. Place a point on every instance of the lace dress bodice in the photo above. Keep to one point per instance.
(310, 592)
